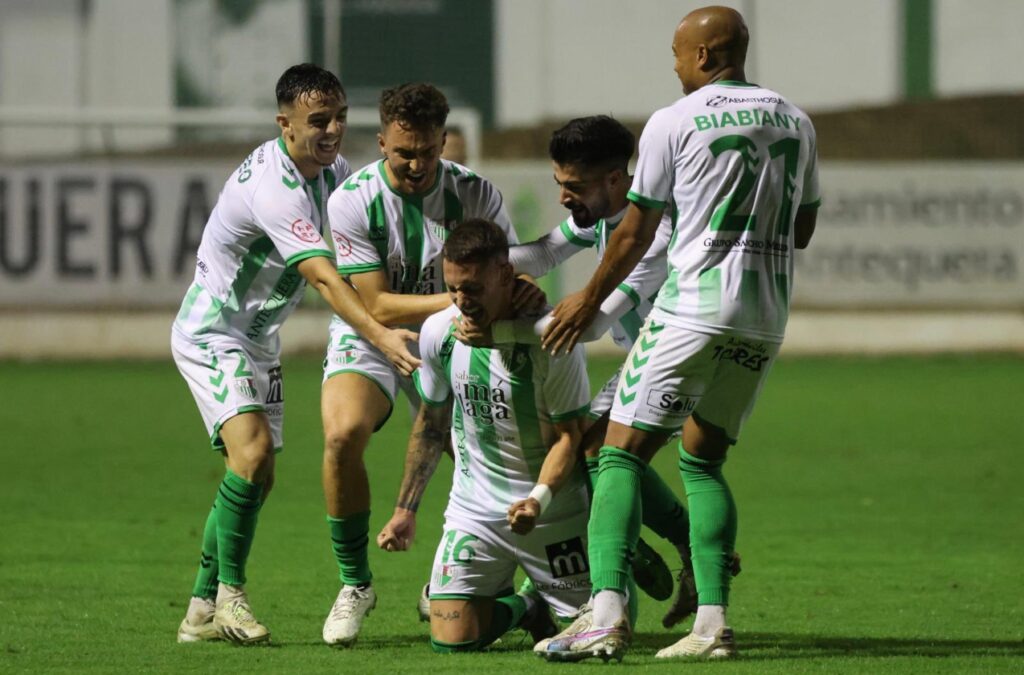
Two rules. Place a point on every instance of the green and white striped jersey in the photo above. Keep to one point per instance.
(504, 402)
(375, 227)
(641, 285)
(736, 161)
(267, 219)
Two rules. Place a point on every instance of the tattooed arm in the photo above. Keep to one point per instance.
(426, 445)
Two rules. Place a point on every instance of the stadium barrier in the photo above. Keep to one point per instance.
(95, 256)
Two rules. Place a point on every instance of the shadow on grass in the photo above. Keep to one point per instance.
(794, 646)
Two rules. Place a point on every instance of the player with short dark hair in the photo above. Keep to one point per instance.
(389, 222)
(590, 157)
(517, 497)
(737, 164)
(260, 246)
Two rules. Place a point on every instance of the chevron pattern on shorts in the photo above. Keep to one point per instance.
(636, 360)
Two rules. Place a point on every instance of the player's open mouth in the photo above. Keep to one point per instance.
(328, 146)
(415, 178)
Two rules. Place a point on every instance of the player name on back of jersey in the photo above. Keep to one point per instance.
(746, 118)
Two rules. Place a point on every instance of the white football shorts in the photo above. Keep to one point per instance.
(478, 558)
(228, 378)
(674, 372)
(348, 352)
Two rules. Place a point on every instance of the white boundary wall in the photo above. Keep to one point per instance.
(114, 244)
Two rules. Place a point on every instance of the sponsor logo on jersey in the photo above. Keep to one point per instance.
(305, 231)
(747, 244)
(342, 244)
(568, 585)
(719, 101)
(670, 401)
(276, 393)
(746, 354)
(482, 403)
(567, 558)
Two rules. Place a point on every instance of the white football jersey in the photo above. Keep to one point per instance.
(504, 402)
(267, 218)
(375, 227)
(736, 161)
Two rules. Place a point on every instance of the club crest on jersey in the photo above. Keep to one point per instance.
(515, 357)
(305, 231)
(246, 387)
(444, 228)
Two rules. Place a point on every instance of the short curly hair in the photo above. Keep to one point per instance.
(598, 140)
(414, 105)
(476, 240)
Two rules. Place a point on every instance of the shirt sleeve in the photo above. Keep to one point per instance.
(529, 331)
(285, 217)
(430, 378)
(492, 207)
(567, 387)
(539, 257)
(811, 197)
(349, 219)
(655, 169)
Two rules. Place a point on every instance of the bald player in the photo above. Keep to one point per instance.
(737, 163)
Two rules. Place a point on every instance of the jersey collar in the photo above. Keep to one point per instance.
(441, 168)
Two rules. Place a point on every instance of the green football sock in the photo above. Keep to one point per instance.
(350, 537)
(615, 519)
(206, 576)
(712, 526)
(237, 506)
(508, 612)
(663, 512)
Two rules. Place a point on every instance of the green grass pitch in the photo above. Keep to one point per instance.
(881, 527)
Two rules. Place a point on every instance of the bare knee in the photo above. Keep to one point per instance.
(594, 437)
(456, 621)
(704, 440)
(345, 440)
(249, 447)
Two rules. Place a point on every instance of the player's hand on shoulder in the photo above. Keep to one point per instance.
(570, 318)
(528, 299)
(398, 533)
(470, 333)
(523, 515)
(393, 344)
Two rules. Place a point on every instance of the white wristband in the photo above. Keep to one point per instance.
(542, 493)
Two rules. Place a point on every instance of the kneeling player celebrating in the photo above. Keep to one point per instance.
(517, 496)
